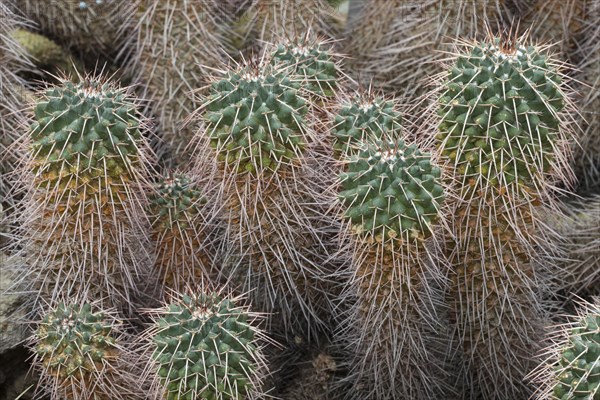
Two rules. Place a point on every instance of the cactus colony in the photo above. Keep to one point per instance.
(423, 246)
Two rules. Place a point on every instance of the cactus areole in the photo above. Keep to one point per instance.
(499, 114)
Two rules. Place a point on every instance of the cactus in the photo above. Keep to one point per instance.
(87, 27)
(11, 100)
(81, 355)
(84, 231)
(587, 154)
(255, 119)
(503, 133)
(206, 346)
(391, 196)
(177, 230)
(45, 53)
(397, 43)
(313, 61)
(572, 372)
(273, 215)
(554, 21)
(178, 44)
(268, 21)
(363, 118)
(578, 223)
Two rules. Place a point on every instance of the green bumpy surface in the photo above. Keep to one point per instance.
(499, 114)
(176, 199)
(90, 126)
(255, 119)
(579, 363)
(74, 341)
(312, 63)
(205, 349)
(391, 191)
(365, 119)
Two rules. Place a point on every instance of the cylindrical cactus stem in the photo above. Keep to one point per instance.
(180, 233)
(12, 101)
(87, 27)
(273, 216)
(84, 231)
(503, 132)
(177, 44)
(363, 118)
(205, 346)
(81, 353)
(579, 224)
(572, 371)
(391, 195)
(395, 43)
(269, 21)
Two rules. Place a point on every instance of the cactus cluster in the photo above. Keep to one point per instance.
(207, 347)
(392, 217)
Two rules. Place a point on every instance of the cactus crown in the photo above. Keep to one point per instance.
(312, 61)
(255, 118)
(578, 369)
(90, 129)
(500, 110)
(367, 117)
(175, 201)
(205, 347)
(73, 341)
(391, 191)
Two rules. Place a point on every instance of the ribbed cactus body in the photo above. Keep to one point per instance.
(178, 232)
(499, 115)
(88, 27)
(391, 196)
(312, 61)
(255, 119)
(84, 231)
(178, 44)
(268, 21)
(391, 191)
(45, 53)
(207, 347)
(503, 134)
(363, 119)
(80, 354)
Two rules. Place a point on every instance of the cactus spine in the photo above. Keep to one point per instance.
(391, 197)
(81, 355)
(503, 134)
(84, 231)
(177, 230)
(206, 346)
(257, 137)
